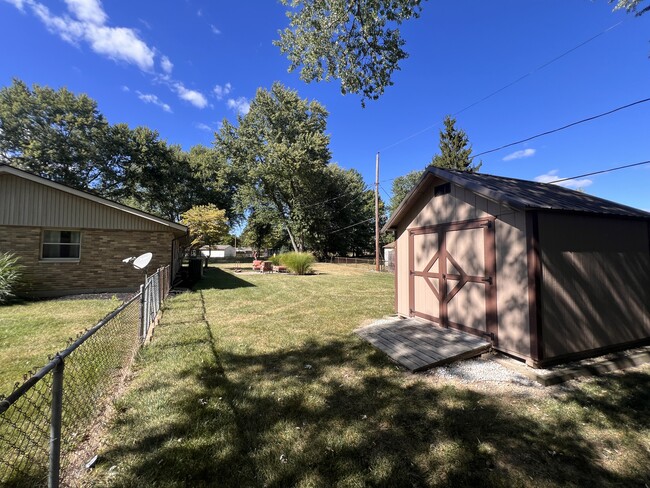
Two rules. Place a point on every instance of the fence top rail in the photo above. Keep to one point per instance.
(40, 374)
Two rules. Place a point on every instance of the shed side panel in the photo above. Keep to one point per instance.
(595, 282)
(512, 284)
(27, 203)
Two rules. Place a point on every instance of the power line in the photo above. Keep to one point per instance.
(539, 68)
(588, 119)
(349, 226)
(602, 171)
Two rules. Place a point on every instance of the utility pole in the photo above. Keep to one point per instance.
(377, 213)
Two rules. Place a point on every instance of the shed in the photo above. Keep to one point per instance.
(220, 251)
(547, 273)
(70, 241)
(389, 255)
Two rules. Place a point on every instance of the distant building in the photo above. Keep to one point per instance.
(220, 251)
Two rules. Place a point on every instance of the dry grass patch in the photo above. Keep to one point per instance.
(257, 380)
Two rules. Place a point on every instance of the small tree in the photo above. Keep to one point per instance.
(208, 226)
(455, 149)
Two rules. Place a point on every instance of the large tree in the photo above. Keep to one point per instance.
(455, 149)
(357, 42)
(52, 133)
(402, 185)
(281, 151)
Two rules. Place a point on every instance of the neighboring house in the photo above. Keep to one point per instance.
(547, 273)
(70, 241)
(220, 251)
(246, 252)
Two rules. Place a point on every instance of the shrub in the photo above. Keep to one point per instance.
(276, 259)
(298, 262)
(10, 272)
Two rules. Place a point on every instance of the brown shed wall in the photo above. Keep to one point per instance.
(100, 266)
(595, 289)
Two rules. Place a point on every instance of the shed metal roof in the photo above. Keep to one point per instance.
(519, 194)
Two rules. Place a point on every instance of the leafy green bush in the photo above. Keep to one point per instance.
(10, 273)
(275, 259)
(298, 262)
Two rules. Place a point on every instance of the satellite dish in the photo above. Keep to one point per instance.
(142, 261)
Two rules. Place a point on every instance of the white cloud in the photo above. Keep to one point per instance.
(90, 11)
(553, 175)
(214, 29)
(526, 153)
(222, 91)
(166, 65)
(205, 127)
(153, 99)
(89, 25)
(240, 105)
(194, 97)
(199, 13)
(125, 88)
(19, 4)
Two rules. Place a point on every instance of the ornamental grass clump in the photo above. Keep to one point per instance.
(298, 262)
(10, 273)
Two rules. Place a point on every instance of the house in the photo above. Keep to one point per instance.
(70, 241)
(220, 251)
(547, 273)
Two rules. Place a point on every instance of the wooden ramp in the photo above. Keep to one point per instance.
(418, 345)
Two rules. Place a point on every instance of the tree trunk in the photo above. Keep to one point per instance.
(293, 240)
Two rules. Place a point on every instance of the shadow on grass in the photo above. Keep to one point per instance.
(215, 278)
(337, 413)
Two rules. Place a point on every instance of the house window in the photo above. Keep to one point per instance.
(442, 189)
(61, 244)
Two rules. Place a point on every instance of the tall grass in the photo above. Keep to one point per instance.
(300, 263)
(10, 273)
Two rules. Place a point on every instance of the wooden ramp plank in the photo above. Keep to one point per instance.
(419, 346)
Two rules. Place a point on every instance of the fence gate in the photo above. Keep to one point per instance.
(452, 276)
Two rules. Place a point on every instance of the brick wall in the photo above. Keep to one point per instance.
(100, 267)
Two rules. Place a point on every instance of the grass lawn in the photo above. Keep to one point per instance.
(30, 331)
(257, 380)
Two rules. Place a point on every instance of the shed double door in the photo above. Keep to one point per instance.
(452, 276)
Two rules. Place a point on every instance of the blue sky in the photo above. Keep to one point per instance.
(182, 67)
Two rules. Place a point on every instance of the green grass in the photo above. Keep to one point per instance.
(30, 331)
(257, 380)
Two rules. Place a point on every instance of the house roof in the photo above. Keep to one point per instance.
(219, 247)
(7, 169)
(517, 194)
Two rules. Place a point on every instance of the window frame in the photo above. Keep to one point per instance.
(60, 259)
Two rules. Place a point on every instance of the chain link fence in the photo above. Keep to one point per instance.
(50, 426)
(361, 262)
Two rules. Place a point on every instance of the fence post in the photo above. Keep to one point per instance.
(142, 318)
(55, 426)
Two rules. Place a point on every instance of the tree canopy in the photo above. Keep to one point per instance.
(207, 224)
(64, 137)
(455, 149)
(402, 185)
(358, 43)
(631, 6)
